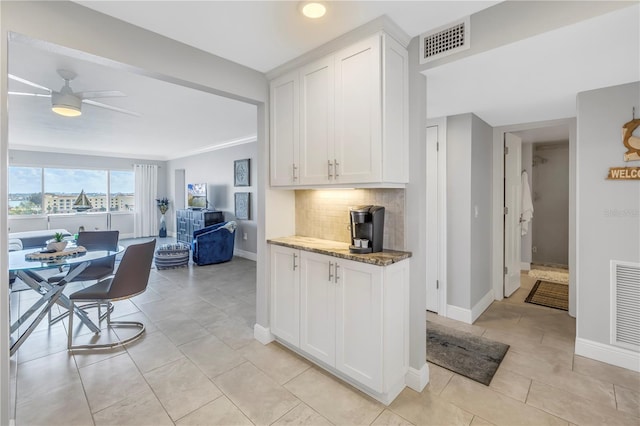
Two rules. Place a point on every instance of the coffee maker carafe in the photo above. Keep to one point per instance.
(367, 228)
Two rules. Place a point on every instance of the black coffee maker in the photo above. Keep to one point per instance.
(367, 229)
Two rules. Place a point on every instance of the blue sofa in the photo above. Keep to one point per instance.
(213, 244)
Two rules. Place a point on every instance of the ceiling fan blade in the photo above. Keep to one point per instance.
(100, 94)
(38, 95)
(29, 83)
(112, 108)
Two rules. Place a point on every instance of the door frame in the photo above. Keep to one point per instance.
(439, 244)
(497, 267)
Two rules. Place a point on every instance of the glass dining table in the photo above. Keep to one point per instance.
(50, 293)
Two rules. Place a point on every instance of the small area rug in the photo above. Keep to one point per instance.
(475, 357)
(559, 276)
(549, 294)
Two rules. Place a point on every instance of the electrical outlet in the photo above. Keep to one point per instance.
(244, 236)
(534, 249)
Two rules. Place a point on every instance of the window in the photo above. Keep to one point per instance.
(36, 190)
(62, 189)
(25, 190)
(121, 186)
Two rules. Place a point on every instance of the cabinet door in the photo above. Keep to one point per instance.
(358, 113)
(284, 129)
(285, 294)
(359, 343)
(317, 306)
(316, 122)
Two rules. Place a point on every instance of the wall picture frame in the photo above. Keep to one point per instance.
(243, 205)
(242, 172)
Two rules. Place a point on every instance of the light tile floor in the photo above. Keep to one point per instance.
(198, 364)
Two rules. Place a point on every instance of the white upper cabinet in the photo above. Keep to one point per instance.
(351, 114)
(316, 121)
(284, 129)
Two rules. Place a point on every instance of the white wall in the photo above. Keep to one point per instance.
(458, 210)
(480, 212)
(550, 186)
(608, 213)
(525, 241)
(216, 169)
(469, 192)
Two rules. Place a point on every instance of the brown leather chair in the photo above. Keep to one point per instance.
(101, 268)
(131, 278)
(97, 270)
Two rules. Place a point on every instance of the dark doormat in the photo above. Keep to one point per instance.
(549, 294)
(475, 357)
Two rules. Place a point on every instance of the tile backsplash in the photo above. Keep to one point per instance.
(325, 213)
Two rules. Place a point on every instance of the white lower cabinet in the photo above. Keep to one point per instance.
(353, 317)
(285, 294)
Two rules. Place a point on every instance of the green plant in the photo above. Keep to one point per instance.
(163, 204)
(58, 237)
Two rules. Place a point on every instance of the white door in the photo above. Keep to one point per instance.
(284, 129)
(358, 116)
(285, 294)
(432, 251)
(359, 322)
(316, 122)
(512, 191)
(318, 306)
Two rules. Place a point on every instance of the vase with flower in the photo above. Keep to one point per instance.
(163, 206)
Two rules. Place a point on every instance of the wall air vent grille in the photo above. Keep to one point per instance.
(625, 298)
(444, 41)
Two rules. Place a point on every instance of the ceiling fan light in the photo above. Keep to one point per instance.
(66, 104)
(313, 9)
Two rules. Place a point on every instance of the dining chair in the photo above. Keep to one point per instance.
(131, 278)
(97, 270)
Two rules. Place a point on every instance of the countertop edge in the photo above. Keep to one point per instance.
(384, 258)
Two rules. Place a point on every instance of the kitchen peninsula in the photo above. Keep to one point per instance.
(347, 313)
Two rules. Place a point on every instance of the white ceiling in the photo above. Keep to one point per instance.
(535, 79)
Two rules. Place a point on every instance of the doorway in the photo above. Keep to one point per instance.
(545, 244)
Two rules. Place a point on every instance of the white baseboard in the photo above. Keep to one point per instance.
(246, 254)
(481, 306)
(468, 316)
(417, 379)
(459, 314)
(613, 355)
(263, 334)
(525, 266)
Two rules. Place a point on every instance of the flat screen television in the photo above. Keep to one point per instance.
(197, 196)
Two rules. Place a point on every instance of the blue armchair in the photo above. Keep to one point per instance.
(213, 244)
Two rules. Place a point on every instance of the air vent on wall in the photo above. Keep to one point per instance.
(445, 40)
(625, 301)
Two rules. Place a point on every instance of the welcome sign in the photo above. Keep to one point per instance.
(624, 173)
(632, 143)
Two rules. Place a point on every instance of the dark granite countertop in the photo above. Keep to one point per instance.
(341, 250)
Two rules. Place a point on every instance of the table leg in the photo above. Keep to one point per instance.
(52, 300)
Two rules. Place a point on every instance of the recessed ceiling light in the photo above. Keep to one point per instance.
(313, 9)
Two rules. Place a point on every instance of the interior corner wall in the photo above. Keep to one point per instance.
(459, 136)
(215, 168)
(608, 215)
(525, 241)
(480, 209)
(469, 207)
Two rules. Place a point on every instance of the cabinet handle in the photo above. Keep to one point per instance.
(294, 172)
(335, 168)
(337, 277)
(330, 274)
(295, 256)
(329, 169)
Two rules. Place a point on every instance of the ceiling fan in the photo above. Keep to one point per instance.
(68, 103)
